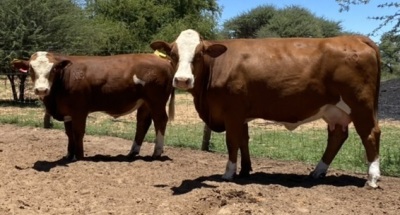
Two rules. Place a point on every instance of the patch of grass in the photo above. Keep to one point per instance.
(306, 145)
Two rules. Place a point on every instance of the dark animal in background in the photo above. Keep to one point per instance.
(71, 87)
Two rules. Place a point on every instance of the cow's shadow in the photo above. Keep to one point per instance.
(46, 166)
(286, 180)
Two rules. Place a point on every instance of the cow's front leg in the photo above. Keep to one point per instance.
(71, 144)
(143, 123)
(78, 128)
(245, 153)
(234, 138)
(160, 118)
(336, 138)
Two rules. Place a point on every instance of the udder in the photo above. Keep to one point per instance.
(335, 116)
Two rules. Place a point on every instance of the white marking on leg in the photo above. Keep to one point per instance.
(135, 149)
(320, 170)
(67, 118)
(159, 146)
(230, 171)
(137, 80)
(374, 173)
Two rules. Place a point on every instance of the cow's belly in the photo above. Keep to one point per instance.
(124, 110)
(333, 115)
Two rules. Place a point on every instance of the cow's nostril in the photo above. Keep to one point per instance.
(36, 91)
(176, 81)
(187, 82)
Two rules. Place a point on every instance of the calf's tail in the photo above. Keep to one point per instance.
(171, 106)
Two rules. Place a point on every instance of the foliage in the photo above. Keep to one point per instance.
(147, 20)
(390, 53)
(247, 24)
(28, 26)
(292, 21)
(386, 19)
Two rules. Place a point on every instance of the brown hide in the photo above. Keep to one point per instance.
(284, 80)
(83, 84)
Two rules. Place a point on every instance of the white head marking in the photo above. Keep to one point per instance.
(186, 43)
(41, 67)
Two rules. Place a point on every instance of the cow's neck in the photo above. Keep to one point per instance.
(200, 92)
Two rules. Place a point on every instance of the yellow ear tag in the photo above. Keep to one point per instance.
(160, 54)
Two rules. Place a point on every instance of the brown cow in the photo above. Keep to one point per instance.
(291, 81)
(71, 87)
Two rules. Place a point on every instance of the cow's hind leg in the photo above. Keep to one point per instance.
(143, 119)
(367, 128)
(336, 138)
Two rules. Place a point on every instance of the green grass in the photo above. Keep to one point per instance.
(306, 145)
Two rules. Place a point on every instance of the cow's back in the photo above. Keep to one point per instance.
(308, 72)
(113, 84)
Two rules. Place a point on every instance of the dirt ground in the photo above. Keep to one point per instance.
(34, 179)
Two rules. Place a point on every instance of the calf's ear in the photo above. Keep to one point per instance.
(161, 45)
(21, 65)
(214, 49)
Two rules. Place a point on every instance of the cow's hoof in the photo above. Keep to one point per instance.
(70, 157)
(157, 153)
(244, 174)
(316, 176)
(132, 155)
(226, 177)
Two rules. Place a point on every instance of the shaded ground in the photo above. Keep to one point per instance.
(389, 100)
(35, 180)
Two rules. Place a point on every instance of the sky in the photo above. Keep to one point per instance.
(355, 20)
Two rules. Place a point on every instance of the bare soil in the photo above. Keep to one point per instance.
(34, 179)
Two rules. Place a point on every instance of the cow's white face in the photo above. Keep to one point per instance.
(186, 44)
(41, 67)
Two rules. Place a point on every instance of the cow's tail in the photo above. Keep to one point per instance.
(371, 44)
(171, 106)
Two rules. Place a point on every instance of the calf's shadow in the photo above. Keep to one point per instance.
(46, 166)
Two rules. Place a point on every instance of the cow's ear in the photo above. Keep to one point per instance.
(214, 49)
(21, 65)
(61, 62)
(161, 45)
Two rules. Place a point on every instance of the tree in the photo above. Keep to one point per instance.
(147, 20)
(292, 21)
(26, 27)
(390, 53)
(345, 6)
(247, 24)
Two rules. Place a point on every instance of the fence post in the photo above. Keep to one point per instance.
(47, 121)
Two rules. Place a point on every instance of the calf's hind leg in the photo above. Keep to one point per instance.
(160, 119)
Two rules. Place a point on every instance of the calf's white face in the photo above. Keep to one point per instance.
(186, 44)
(41, 67)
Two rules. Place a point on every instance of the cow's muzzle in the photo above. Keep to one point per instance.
(183, 83)
(42, 91)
